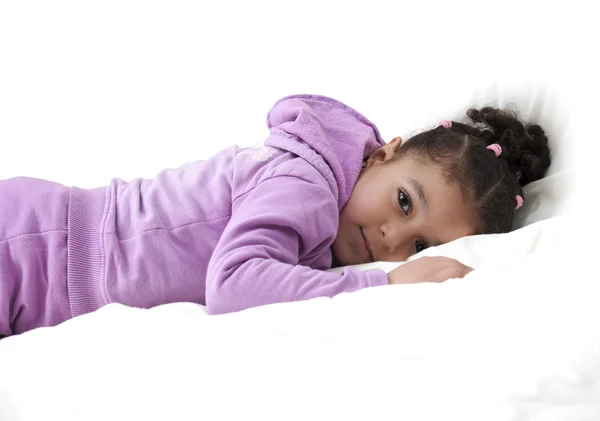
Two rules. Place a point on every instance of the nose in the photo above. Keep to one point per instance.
(393, 239)
(387, 238)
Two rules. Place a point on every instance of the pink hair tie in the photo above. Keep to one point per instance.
(496, 148)
(446, 123)
(519, 202)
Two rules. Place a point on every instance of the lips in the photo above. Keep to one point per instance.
(367, 245)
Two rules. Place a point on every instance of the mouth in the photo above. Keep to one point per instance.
(367, 246)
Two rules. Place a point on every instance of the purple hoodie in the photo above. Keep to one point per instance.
(247, 227)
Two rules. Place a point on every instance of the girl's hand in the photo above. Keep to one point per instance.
(428, 269)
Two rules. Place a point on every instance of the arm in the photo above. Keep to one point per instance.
(272, 228)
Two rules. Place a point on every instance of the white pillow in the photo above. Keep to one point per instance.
(545, 198)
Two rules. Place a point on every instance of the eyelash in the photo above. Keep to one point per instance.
(402, 193)
(422, 244)
(402, 197)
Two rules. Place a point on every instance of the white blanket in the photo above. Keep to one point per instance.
(517, 339)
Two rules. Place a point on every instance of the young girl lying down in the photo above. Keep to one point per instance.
(254, 226)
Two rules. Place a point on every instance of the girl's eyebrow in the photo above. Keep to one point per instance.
(418, 187)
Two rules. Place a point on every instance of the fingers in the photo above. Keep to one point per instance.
(428, 269)
(447, 268)
(442, 260)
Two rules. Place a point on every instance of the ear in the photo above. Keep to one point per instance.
(385, 153)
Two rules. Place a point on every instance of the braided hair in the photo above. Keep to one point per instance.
(488, 182)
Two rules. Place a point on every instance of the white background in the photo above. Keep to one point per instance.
(91, 90)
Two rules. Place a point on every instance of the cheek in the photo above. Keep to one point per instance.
(367, 203)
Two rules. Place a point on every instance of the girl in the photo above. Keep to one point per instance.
(255, 226)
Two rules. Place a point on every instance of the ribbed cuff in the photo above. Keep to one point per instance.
(376, 277)
(85, 262)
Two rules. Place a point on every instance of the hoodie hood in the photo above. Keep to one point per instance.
(340, 135)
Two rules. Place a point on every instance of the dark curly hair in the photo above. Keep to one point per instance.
(487, 183)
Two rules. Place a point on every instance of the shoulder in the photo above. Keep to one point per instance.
(287, 192)
(268, 165)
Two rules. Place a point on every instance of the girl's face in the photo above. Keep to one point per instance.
(399, 208)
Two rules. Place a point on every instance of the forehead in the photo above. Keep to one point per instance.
(429, 174)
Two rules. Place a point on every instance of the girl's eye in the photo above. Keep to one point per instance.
(404, 201)
(420, 246)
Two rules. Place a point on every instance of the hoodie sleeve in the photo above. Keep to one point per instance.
(272, 228)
